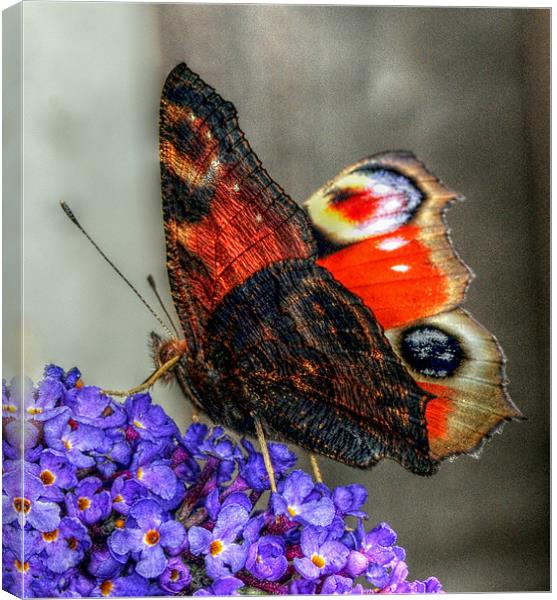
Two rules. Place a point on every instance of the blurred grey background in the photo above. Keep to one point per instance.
(316, 88)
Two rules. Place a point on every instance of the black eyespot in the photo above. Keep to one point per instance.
(431, 351)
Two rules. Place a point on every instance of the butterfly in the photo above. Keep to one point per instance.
(339, 323)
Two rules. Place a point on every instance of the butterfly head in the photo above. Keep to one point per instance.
(163, 350)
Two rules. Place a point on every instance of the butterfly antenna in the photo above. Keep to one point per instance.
(153, 286)
(71, 216)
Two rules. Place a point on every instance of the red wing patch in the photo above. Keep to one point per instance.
(396, 275)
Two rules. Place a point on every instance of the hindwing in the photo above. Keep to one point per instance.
(381, 231)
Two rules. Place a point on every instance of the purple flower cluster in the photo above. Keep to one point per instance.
(102, 498)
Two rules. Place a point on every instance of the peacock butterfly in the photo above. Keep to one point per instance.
(338, 325)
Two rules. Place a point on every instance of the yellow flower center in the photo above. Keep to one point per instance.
(72, 543)
(22, 505)
(21, 567)
(9, 408)
(318, 560)
(67, 444)
(174, 574)
(152, 537)
(47, 477)
(119, 523)
(138, 424)
(50, 536)
(216, 547)
(83, 503)
(34, 410)
(139, 473)
(106, 587)
(292, 511)
(119, 498)
(79, 383)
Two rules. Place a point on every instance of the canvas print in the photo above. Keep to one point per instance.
(245, 355)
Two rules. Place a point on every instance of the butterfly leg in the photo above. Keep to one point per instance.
(265, 451)
(149, 382)
(315, 468)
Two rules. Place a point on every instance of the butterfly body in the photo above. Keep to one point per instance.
(318, 321)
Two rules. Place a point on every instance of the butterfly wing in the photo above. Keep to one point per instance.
(224, 217)
(381, 232)
(269, 331)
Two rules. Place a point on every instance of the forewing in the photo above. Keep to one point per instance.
(224, 217)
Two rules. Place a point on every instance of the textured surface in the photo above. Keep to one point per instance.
(302, 352)
(224, 217)
(317, 88)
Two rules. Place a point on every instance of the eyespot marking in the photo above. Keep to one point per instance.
(368, 201)
(387, 200)
(431, 351)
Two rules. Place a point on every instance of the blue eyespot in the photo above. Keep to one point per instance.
(431, 351)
